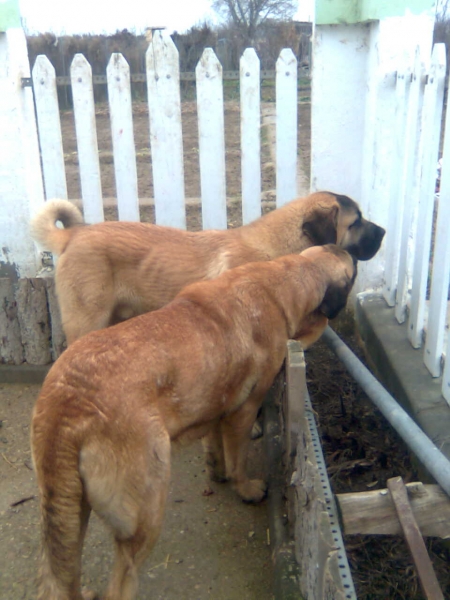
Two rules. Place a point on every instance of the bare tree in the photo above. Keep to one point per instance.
(248, 15)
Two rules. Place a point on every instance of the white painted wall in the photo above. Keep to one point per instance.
(21, 189)
(353, 113)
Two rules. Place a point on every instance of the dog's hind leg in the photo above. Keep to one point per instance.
(127, 484)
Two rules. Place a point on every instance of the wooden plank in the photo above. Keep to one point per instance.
(58, 338)
(120, 106)
(373, 513)
(311, 508)
(250, 136)
(84, 113)
(32, 314)
(211, 139)
(49, 124)
(163, 85)
(428, 157)
(414, 539)
(11, 349)
(296, 389)
(286, 127)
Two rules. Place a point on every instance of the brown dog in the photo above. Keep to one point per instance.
(115, 400)
(112, 271)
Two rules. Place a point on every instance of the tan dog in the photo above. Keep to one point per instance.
(112, 271)
(115, 400)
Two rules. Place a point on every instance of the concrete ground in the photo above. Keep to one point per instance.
(213, 546)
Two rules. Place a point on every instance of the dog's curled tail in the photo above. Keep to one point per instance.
(44, 229)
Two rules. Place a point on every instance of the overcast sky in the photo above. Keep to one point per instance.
(106, 16)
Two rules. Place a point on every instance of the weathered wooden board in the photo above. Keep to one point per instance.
(414, 539)
(373, 513)
(30, 322)
(11, 349)
(32, 314)
(313, 519)
(58, 339)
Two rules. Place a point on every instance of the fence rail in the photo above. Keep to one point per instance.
(265, 75)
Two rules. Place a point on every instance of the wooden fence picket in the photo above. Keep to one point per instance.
(397, 187)
(120, 106)
(84, 112)
(49, 125)
(411, 188)
(163, 85)
(250, 135)
(286, 126)
(428, 156)
(211, 140)
(440, 273)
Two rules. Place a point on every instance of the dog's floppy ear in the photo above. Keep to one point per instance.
(335, 300)
(321, 226)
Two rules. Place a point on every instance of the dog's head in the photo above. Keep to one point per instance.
(341, 268)
(337, 219)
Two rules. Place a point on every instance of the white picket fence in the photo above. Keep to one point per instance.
(416, 279)
(163, 82)
(413, 283)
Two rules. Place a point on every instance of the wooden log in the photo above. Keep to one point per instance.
(11, 350)
(33, 319)
(373, 513)
(58, 339)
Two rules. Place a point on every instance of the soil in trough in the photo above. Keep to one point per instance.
(362, 452)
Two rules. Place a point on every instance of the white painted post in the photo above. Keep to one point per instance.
(47, 111)
(286, 127)
(21, 189)
(84, 112)
(397, 187)
(250, 136)
(353, 101)
(411, 186)
(211, 140)
(437, 313)
(163, 84)
(429, 150)
(120, 107)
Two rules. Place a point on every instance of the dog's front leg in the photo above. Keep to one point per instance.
(236, 433)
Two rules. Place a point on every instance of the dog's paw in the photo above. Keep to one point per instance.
(257, 430)
(252, 490)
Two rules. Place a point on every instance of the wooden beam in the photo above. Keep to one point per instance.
(414, 539)
(373, 513)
